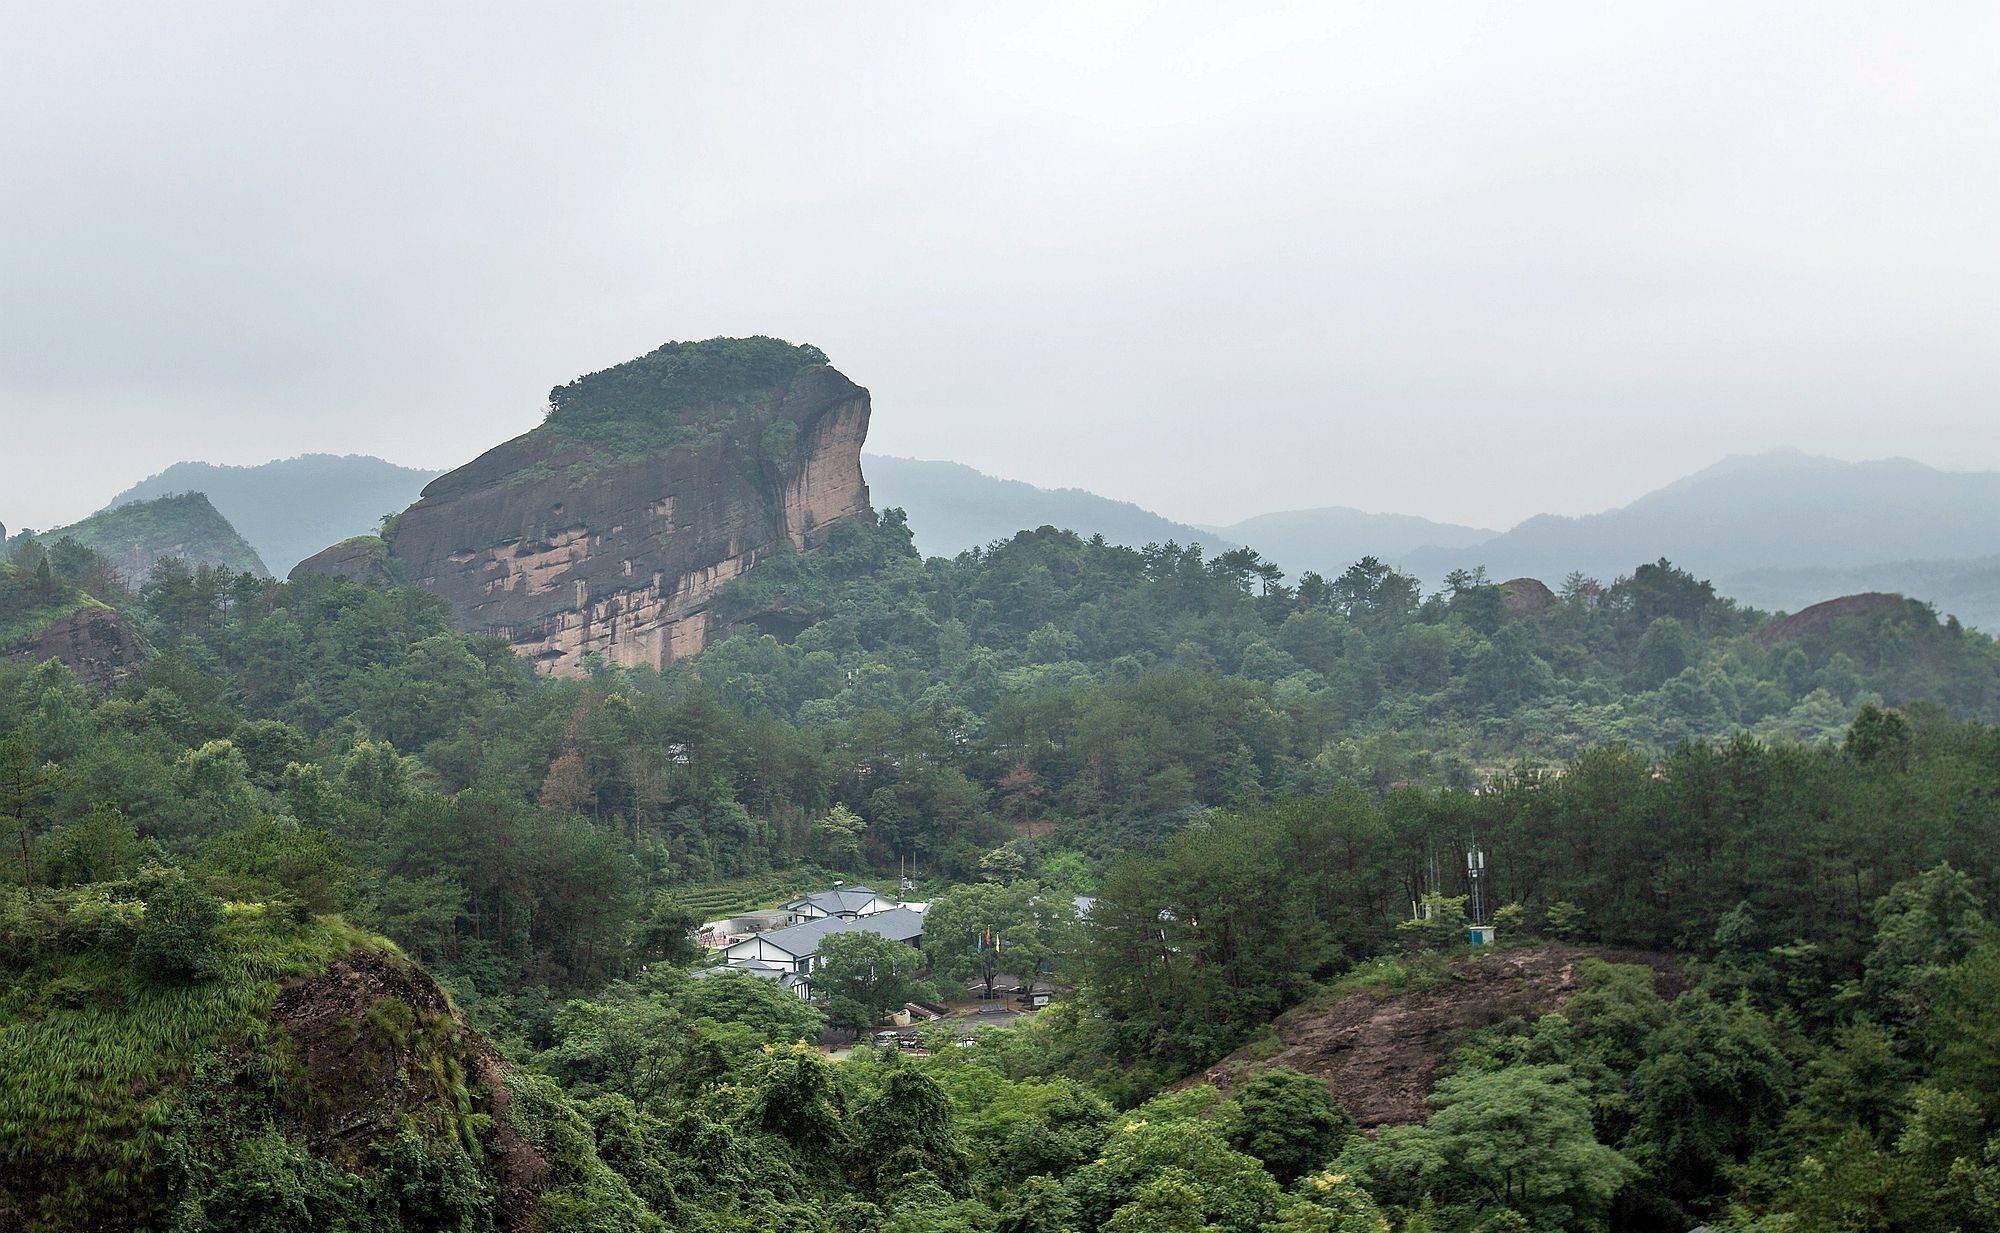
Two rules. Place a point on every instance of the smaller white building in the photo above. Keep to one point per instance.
(844, 902)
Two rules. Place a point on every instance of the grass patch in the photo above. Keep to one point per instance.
(91, 1054)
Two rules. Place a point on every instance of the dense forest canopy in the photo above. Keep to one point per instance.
(679, 393)
(1255, 779)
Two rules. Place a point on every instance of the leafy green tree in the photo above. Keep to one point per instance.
(796, 1099)
(838, 836)
(1713, 1088)
(1231, 1190)
(1517, 1139)
(283, 855)
(864, 975)
(666, 935)
(1328, 1202)
(100, 846)
(1041, 1205)
(177, 941)
(1289, 1121)
(1923, 926)
(980, 930)
(622, 1044)
(25, 785)
(1171, 1202)
(907, 1126)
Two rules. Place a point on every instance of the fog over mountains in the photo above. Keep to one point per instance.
(1757, 512)
(1780, 530)
(291, 508)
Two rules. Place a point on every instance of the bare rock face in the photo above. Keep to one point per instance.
(609, 530)
(374, 1038)
(1820, 617)
(1526, 597)
(365, 558)
(96, 643)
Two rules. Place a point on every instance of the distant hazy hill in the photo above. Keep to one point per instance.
(953, 507)
(1966, 589)
(1331, 539)
(134, 536)
(1745, 516)
(293, 507)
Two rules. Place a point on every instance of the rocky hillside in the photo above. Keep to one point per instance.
(169, 1061)
(1380, 1050)
(290, 508)
(134, 537)
(95, 642)
(609, 529)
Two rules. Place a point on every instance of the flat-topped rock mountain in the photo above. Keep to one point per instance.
(610, 528)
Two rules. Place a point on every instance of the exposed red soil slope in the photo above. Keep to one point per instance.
(1379, 1053)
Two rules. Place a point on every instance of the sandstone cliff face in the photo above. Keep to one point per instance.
(567, 548)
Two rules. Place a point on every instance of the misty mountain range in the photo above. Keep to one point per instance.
(1779, 531)
(293, 507)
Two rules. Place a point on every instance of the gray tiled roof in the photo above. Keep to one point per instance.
(839, 899)
(803, 939)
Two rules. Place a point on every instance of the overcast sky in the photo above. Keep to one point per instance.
(1473, 262)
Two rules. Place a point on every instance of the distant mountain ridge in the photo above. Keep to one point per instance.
(1756, 512)
(1783, 529)
(1778, 530)
(1329, 540)
(290, 508)
(953, 507)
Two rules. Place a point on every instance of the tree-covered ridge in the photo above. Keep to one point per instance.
(1843, 1004)
(1052, 646)
(1047, 717)
(681, 393)
(134, 536)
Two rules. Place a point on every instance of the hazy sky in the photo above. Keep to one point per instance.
(1469, 261)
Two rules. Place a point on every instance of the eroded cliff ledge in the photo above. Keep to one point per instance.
(609, 529)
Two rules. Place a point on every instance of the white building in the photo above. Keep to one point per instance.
(794, 950)
(845, 902)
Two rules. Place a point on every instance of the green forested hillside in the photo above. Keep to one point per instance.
(135, 536)
(1256, 782)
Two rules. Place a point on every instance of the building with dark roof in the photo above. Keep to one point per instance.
(795, 948)
(846, 902)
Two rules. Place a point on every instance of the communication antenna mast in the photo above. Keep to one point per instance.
(1475, 876)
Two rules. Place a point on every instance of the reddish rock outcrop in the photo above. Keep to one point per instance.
(365, 558)
(98, 645)
(1821, 617)
(568, 544)
(1379, 1053)
(376, 1041)
(1526, 596)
